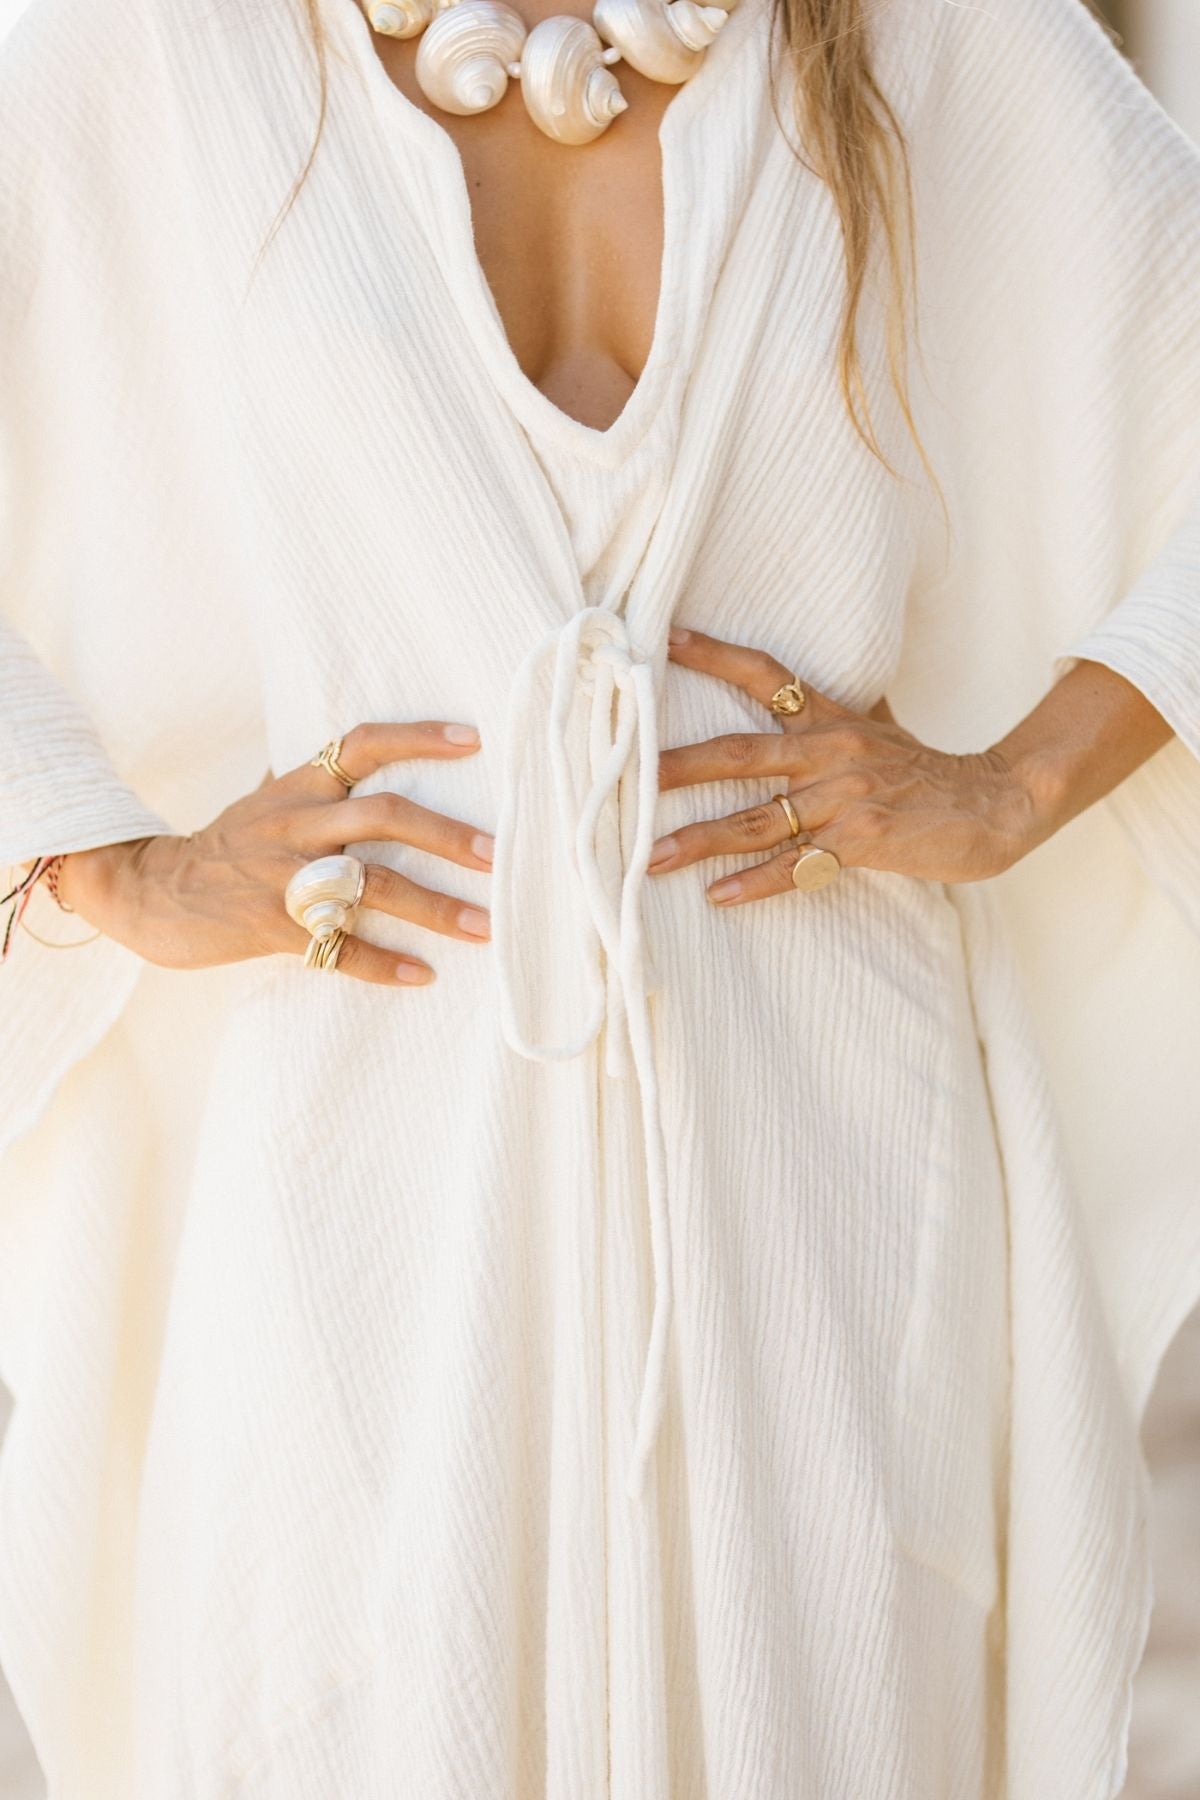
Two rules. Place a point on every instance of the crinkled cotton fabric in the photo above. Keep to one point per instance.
(679, 1354)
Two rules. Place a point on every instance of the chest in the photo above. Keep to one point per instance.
(569, 237)
(418, 497)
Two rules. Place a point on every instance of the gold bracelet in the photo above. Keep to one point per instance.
(19, 893)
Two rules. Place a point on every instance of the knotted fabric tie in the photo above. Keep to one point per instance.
(592, 660)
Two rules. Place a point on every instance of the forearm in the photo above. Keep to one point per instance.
(1090, 731)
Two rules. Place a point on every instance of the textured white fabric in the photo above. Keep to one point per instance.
(333, 1314)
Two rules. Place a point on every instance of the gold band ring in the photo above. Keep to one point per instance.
(790, 698)
(328, 758)
(322, 953)
(814, 868)
(789, 809)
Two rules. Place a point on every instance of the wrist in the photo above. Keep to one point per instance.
(1035, 795)
(97, 883)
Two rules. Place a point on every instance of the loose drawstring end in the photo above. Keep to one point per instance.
(608, 666)
(654, 1393)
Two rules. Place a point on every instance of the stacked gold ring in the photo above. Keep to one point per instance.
(329, 758)
(322, 953)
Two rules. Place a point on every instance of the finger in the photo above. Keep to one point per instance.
(385, 890)
(833, 747)
(369, 747)
(394, 817)
(774, 876)
(724, 758)
(756, 672)
(369, 962)
(754, 828)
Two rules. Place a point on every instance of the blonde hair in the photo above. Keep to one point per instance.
(857, 147)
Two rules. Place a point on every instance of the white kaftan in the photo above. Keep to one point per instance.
(680, 1354)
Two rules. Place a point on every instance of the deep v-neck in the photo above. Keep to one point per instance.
(416, 130)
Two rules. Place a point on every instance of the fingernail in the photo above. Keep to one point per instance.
(483, 846)
(662, 851)
(414, 973)
(725, 890)
(460, 734)
(474, 920)
(677, 635)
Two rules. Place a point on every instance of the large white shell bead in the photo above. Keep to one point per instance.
(401, 18)
(695, 25)
(569, 90)
(466, 56)
(665, 42)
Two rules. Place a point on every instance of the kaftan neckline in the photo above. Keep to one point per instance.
(536, 412)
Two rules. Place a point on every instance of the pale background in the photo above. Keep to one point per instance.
(1163, 39)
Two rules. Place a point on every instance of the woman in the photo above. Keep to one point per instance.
(695, 1348)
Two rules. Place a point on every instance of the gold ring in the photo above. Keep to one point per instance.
(328, 759)
(789, 809)
(789, 698)
(322, 953)
(814, 868)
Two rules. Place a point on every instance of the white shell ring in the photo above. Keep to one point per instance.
(323, 895)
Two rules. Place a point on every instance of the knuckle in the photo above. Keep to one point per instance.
(357, 741)
(853, 740)
(428, 908)
(762, 821)
(444, 908)
(395, 811)
(407, 899)
(740, 748)
(382, 886)
(857, 783)
(869, 820)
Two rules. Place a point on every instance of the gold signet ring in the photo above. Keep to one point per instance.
(328, 758)
(789, 809)
(789, 698)
(814, 868)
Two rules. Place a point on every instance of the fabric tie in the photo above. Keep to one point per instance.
(592, 657)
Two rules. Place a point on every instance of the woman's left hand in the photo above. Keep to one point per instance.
(862, 786)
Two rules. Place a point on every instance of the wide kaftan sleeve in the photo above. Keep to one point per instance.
(1058, 394)
(130, 704)
(1152, 637)
(126, 689)
(1056, 386)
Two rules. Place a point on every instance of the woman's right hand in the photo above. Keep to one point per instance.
(216, 896)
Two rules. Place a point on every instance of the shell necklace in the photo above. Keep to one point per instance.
(472, 47)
